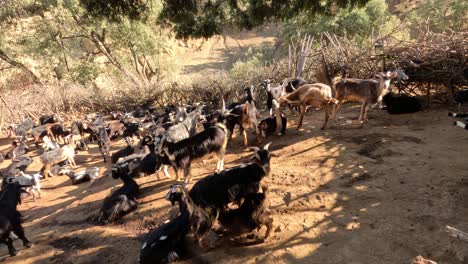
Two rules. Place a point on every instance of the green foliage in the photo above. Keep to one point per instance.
(356, 23)
(115, 10)
(249, 69)
(199, 18)
(441, 15)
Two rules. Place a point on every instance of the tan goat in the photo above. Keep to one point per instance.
(367, 92)
(50, 158)
(316, 95)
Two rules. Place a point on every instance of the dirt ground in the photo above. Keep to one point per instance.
(379, 194)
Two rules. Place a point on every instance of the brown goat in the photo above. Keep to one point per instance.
(316, 95)
(367, 92)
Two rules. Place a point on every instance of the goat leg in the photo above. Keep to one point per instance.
(366, 109)
(11, 250)
(246, 141)
(19, 231)
(188, 174)
(166, 173)
(303, 108)
(325, 108)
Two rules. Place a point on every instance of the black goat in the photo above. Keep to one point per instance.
(165, 243)
(127, 151)
(131, 129)
(104, 143)
(461, 97)
(214, 192)
(48, 119)
(146, 165)
(181, 154)
(252, 214)
(10, 218)
(401, 104)
(121, 201)
(268, 126)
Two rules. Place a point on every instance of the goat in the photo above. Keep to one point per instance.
(131, 129)
(48, 159)
(32, 181)
(401, 104)
(244, 115)
(164, 244)
(460, 124)
(38, 134)
(81, 176)
(121, 201)
(103, 143)
(23, 128)
(274, 93)
(16, 150)
(316, 95)
(214, 192)
(56, 131)
(252, 214)
(48, 119)
(116, 128)
(10, 218)
(19, 164)
(128, 150)
(367, 92)
(49, 144)
(183, 129)
(268, 126)
(181, 154)
(461, 97)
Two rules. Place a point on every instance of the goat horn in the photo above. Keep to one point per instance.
(161, 144)
(223, 104)
(253, 148)
(267, 146)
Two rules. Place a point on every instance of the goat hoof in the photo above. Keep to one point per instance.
(13, 253)
(28, 244)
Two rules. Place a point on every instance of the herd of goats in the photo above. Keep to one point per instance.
(170, 138)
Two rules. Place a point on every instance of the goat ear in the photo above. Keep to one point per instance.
(267, 146)
(392, 75)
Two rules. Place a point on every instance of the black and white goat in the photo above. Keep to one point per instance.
(401, 104)
(165, 243)
(214, 192)
(252, 214)
(10, 218)
(32, 181)
(121, 201)
(81, 176)
(181, 154)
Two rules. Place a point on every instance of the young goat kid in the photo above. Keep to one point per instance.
(401, 104)
(65, 153)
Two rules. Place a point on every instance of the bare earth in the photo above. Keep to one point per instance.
(379, 194)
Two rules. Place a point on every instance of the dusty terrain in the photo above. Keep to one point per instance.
(378, 194)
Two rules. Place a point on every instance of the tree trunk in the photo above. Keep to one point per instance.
(19, 65)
